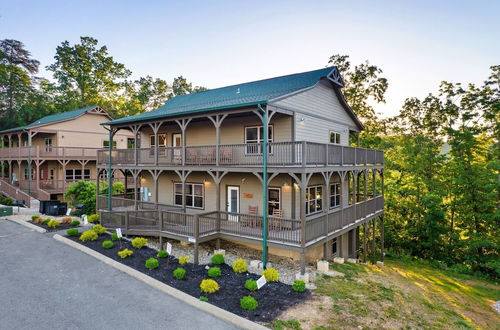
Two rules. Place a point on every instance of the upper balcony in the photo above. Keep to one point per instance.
(48, 153)
(281, 154)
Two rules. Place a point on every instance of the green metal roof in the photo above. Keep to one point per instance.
(52, 119)
(246, 94)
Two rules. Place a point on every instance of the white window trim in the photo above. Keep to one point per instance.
(308, 189)
(330, 137)
(202, 195)
(114, 144)
(260, 139)
(331, 195)
(152, 140)
(74, 177)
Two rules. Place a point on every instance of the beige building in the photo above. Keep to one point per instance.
(58, 149)
(199, 175)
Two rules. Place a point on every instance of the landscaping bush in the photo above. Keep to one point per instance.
(89, 235)
(218, 259)
(93, 218)
(271, 275)
(152, 263)
(98, 229)
(125, 253)
(251, 285)
(37, 220)
(209, 286)
(139, 242)
(248, 303)
(114, 237)
(75, 223)
(203, 298)
(179, 273)
(162, 254)
(46, 221)
(107, 244)
(34, 217)
(183, 260)
(299, 286)
(240, 266)
(7, 201)
(66, 220)
(53, 223)
(214, 272)
(73, 232)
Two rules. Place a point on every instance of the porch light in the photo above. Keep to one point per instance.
(143, 180)
(296, 186)
(285, 184)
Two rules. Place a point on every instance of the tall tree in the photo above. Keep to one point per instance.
(87, 74)
(16, 80)
(180, 86)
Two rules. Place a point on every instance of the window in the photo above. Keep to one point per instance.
(194, 195)
(48, 144)
(130, 143)
(334, 247)
(76, 174)
(162, 140)
(314, 199)
(254, 135)
(274, 200)
(334, 195)
(33, 172)
(334, 137)
(105, 144)
(51, 174)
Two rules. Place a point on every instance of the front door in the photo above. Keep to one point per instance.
(233, 202)
(177, 143)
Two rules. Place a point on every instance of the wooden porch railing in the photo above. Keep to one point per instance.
(14, 192)
(283, 232)
(43, 152)
(250, 154)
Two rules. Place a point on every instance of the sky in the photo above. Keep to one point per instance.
(417, 44)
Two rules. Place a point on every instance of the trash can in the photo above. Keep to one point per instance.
(45, 205)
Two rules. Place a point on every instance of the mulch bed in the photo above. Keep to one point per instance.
(62, 226)
(273, 298)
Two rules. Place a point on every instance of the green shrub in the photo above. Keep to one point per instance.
(271, 275)
(214, 272)
(139, 242)
(73, 232)
(152, 263)
(114, 237)
(251, 285)
(34, 217)
(203, 298)
(98, 229)
(299, 286)
(46, 221)
(209, 286)
(240, 266)
(218, 259)
(179, 273)
(125, 253)
(53, 223)
(82, 192)
(107, 244)
(248, 303)
(89, 235)
(75, 223)
(162, 254)
(93, 218)
(7, 201)
(183, 260)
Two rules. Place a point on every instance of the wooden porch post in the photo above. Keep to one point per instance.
(135, 174)
(183, 123)
(303, 186)
(217, 121)
(217, 178)
(373, 241)
(365, 233)
(382, 233)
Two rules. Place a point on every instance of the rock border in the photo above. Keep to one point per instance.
(27, 224)
(220, 313)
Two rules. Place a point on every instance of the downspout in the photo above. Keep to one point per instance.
(264, 186)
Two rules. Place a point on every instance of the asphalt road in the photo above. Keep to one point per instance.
(45, 284)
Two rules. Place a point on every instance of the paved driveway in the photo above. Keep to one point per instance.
(45, 284)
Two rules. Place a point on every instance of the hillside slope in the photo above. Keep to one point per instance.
(400, 294)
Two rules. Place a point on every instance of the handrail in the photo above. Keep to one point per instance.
(15, 192)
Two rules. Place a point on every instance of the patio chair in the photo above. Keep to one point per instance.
(251, 221)
(276, 224)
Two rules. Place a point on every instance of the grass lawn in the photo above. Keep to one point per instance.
(401, 294)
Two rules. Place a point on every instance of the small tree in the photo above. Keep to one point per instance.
(82, 192)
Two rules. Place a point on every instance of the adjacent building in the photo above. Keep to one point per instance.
(197, 166)
(41, 159)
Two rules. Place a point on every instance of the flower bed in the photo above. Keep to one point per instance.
(60, 226)
(273, 298)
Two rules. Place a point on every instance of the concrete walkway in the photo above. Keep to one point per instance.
(47, 285)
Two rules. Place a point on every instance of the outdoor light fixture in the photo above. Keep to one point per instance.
(285, 184)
